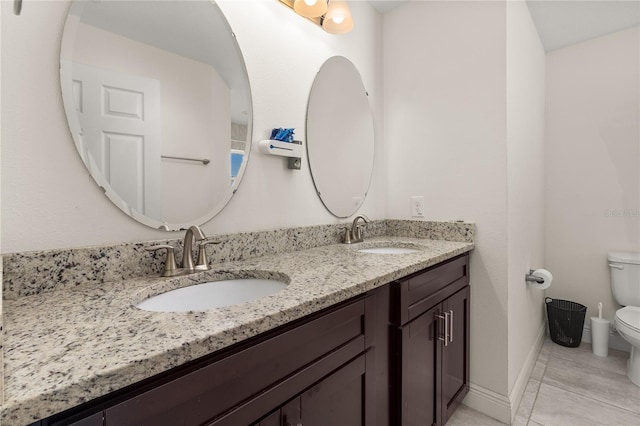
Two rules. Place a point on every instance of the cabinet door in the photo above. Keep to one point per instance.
(455, 356)
(336, 400)
(419, 372)
(339, 399)
(291, 413)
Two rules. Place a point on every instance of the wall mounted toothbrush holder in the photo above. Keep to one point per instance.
(291, 150)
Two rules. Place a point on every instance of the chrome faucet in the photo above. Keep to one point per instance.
(354, 235)
(193, 233)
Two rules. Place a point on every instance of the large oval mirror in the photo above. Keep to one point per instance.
(158, 103)
(340, 137)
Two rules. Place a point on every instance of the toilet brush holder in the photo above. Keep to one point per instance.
(600, 336)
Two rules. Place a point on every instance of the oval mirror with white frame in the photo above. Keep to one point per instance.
(340, 137)
(159, 106)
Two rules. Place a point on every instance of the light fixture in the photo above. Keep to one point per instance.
(310, 8)
(333, 16)
(338, 19)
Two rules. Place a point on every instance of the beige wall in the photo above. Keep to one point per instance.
(48, 200)
(593, 164)
(525, 164)
(464, 123)
(445, 135)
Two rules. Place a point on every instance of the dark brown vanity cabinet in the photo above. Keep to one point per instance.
(398, 355)
(431, 338)
(310, 363)
(336, 400)
(314, 371)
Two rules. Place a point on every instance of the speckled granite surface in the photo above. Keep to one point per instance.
(449, 231)
(1, 348)
(72, 332)
(75, 343)
(36, 272)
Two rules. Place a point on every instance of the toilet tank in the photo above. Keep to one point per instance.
(625, 277)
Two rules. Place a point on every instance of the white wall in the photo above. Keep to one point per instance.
(593, 164)
(525, 191)
(48, 199)
(445, 131)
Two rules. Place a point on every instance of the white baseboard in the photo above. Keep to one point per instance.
(615, 340)
(525, 372)
(500, 407)
(488, 402)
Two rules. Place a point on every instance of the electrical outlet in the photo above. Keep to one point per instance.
(417, 206)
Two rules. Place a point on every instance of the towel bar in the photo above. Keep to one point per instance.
(204, 161)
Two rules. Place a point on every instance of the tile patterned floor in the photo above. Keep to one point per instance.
(571, 386)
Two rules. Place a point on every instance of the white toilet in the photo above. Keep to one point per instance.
(625, 283)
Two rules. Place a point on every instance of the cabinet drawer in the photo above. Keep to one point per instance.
(203, 394)
(338, 392)
(417, 293)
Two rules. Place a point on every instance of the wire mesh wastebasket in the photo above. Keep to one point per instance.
(566, 320)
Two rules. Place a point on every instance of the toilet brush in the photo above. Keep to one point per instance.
(600, 334)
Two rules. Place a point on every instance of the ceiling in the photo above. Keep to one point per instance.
(384, 6)
(561, 23)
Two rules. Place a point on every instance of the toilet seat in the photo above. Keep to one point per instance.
(629, 316)
(628, 325)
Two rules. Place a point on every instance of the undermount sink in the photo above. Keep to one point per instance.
(388, 250)
(213, 294)
(388, 247)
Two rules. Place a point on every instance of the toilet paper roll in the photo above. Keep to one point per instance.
(545, 275)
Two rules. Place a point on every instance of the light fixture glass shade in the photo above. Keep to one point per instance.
(338, 19)
(310, 8)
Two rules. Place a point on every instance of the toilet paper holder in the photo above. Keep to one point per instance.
(533, 278)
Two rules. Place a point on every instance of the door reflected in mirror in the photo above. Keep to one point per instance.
(158, 103)
(340, 137)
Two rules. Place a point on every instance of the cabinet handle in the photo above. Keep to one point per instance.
(445, 317)
(616, 266)
(451, 326)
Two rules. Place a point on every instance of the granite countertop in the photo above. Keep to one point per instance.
(71, 345)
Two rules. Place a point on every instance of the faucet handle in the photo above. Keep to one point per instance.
(202, 263)
(170, 268)
(346, 238)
